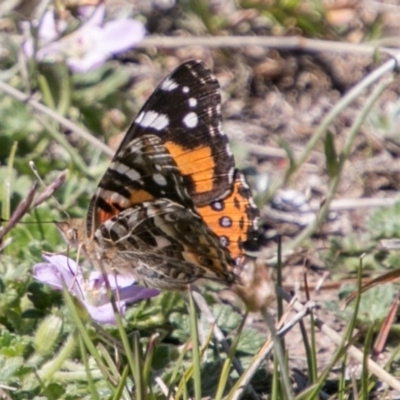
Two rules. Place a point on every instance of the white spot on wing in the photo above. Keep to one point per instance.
(120, 200)
(159, 179)
(225, 222)
(217, 206)
(252, 204)
(185, 89)
(191, 120)
(133, 175)
(162, 241)
(228, 150)
(224, 241)
(113, 197)
(152, 119)
(123, 169)
(219, 127)
(212, 131)
(139, 118)
(168, 85)
(192, 102)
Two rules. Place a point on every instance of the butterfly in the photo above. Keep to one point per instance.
(171, 209)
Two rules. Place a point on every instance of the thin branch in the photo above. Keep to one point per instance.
(280, 43)
(356, 204)
(304, 218)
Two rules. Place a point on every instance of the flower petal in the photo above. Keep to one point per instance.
(90, 61)
(114, 38)
(95, 14)
(63, 263)
(104, 314)
(115, 281)
(47, 27)
(120, 281)
(60, 268)
(120, 35)
(48, 273)
(131, 294)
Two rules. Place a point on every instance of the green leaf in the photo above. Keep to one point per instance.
(370, 310)
(54, 391)
(98, 92)
(332, 163)
(227, 319)
(250, 341)
(9, 367)
(47, 335)
(55, 85)
(164, 354)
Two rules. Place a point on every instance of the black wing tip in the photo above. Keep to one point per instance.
(198, 68)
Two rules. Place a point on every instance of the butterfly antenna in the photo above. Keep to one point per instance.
(40, 180)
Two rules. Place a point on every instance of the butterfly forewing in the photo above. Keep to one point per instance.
(185, 112)
(143, 170)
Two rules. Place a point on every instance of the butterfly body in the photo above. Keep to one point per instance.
(171, 209)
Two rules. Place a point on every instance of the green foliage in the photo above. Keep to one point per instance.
(371, 311)
(212, 22)
(292, 15)
(384, 222)
(343, 254)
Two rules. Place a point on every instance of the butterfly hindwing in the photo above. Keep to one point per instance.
(173, 240)
(234, 218)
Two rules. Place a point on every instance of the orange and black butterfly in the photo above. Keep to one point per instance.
(172, 209)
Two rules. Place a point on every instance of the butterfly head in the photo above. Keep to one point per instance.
(71, 231)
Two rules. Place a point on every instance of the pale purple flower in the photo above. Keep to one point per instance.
(91, 292)
(89, 46)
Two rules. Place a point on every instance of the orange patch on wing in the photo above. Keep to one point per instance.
(234, 207)
(137, 197)
(103, 216)
(140, 196)
(197, 163)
